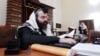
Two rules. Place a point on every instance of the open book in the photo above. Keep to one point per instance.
(87, 49)
(71, 34)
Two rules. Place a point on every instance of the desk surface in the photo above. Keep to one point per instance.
(23, 53)
(27, 53)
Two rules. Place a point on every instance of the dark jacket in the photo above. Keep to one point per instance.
(28, 37)
(81, 31)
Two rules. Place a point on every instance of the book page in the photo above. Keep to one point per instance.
(87, 49)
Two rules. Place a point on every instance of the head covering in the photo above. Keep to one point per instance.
(83, 26)
(32, 20)
(33, 23)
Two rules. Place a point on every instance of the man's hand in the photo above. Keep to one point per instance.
(67, 40)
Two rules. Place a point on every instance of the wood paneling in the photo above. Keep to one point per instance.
(18, 12)
(6, 33)
(89, 24)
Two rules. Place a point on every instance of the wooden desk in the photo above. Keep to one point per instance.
(22, 53)
(26, 53)
(37, 53)
(55, 51)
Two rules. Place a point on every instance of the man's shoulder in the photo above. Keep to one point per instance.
(26, 24)
(22, 28)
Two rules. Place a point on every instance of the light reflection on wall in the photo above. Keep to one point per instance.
(95, 13)
(94, 2)
(96, 17)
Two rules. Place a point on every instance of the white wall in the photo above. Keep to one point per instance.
(57, 12)
(3, 9)
(55, 3)
(75, 10)
(66, 12)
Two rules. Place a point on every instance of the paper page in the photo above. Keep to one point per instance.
(71, 34)
(87, 49)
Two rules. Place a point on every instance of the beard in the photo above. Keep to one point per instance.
(42, 25)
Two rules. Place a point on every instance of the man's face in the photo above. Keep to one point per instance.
(42, 18)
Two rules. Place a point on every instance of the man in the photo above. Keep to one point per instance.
(37, 30)
(83, 30)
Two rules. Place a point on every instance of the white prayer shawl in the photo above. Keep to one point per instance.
(83, 26)
(34, 26)
(33, 23)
